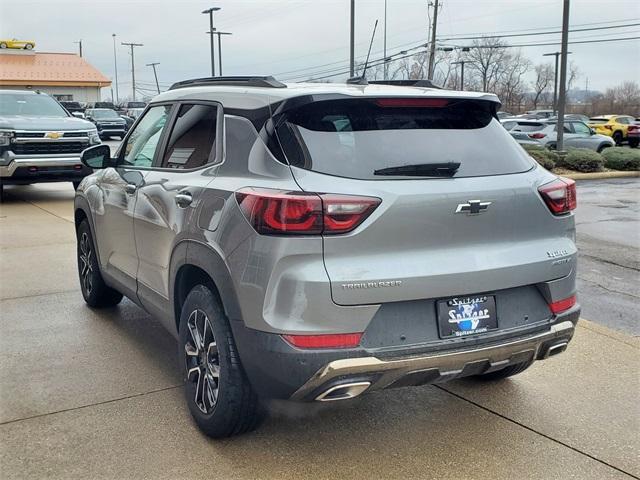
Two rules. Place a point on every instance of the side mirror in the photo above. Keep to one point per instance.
(98, 156)
(78, 114)
(592, 131)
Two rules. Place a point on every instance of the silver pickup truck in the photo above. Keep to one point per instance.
(40, 141)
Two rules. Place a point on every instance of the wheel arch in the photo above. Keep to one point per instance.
(201, 264)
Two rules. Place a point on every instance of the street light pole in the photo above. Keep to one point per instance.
(563, 75)
(352, 62)
(219, 34)
(115, 66)
(555, 78)
(155, 74)
(386, 61)
(210, 11)
(133, 66)
(79, 42)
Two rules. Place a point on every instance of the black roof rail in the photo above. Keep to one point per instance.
(407, 83)
(237, 81)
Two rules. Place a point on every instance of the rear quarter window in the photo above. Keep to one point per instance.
(354, 138)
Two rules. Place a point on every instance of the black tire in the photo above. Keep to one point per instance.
(633, 142)
(95, 292)
(76, 185)
(28, 46)
(617, 137)
(1, 192)
(601, 148)
(505, 372)
(3, 45)
(225, 405)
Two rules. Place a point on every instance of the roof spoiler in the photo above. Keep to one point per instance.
(237, 81)
(425, 83)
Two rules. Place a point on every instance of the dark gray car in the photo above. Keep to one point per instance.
(313, 242)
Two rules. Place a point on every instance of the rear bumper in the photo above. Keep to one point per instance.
(43, 169)
(278, 370)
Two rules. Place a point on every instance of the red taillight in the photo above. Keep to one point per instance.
(537, 135)
(412, 102)
(559, 195)
(633, 129)
(340, 340)
(77, 167)
(277, 212)
(562, 305)
(608, 127)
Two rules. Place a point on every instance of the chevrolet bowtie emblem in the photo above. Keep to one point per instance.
(473, 207)
(53, 135)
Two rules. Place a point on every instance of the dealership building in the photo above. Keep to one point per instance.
(65, 76)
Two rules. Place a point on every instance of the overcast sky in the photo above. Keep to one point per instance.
(283, 37)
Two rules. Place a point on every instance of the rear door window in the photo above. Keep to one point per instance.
(193, 137)
(355, 138)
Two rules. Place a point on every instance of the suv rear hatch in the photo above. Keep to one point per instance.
(468, 219)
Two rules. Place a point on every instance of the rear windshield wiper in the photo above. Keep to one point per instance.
(445, 169)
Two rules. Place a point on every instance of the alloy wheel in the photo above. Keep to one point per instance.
(202, 361)
(86, 268)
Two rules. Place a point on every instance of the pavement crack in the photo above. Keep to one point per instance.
(48, 211)
(610, 262)
(609, 289)
(533, 430)
(39, 295)
(81, 407)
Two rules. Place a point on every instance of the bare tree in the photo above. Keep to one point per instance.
(487, 58)
(511, 85)
(574, 74)
(542, 82)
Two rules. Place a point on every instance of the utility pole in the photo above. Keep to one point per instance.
(155, 74)
(461, 63)
(219, 34)
(133, 66)
(79, 42)
(386, 60)
(555, 78)
(352, 60)
(432, 52)
(115, 66)
(563, 75)
(211, 31)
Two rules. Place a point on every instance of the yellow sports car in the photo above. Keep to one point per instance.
(15, 43)
(614, 126)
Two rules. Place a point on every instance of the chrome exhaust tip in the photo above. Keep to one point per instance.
(343, 391)
(556, 349)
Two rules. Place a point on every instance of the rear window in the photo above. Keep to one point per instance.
(356, 138)
(598, 120)
(528, 127)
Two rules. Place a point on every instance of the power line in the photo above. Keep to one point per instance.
(375, 62)
(540, 33)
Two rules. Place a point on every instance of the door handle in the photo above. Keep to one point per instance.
(130, 188)
(183, 199)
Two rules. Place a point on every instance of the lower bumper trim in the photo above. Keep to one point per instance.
(440, 366)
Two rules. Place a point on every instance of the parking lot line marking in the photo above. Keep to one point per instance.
(164, 389)
(536, 432)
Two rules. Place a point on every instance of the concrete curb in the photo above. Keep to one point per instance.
(601, 175)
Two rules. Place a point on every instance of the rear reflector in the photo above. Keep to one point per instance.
(278, 212)
(340, 340)
(537, 135)
(412, 102)
(559, 195)
(562, 305)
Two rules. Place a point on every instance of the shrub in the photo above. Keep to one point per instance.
(582, 160)
(619, 158)
(543, 156)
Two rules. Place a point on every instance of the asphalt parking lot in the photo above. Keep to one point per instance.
(97, 394)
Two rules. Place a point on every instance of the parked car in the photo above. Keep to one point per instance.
(544, 133)
(40, 141)
(108, 105)
(633, 133)
(107, 121)
(614, 126)
(317, 241)
(571, 116)
(540, 113)
(72, 107)
(128, 122)
(134, 112)
(130, 105)
(17, 44)
(502, 115)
